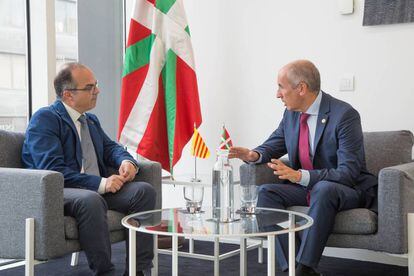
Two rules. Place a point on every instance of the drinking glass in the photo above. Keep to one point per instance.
(248, 198)
(249, 223)
(193, 196)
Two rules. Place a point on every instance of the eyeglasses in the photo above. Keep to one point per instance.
(91, 88)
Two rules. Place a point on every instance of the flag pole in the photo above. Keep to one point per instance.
(195, 179)
(195, 168)
(172, 171)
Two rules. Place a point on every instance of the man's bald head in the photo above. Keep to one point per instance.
(303, 71)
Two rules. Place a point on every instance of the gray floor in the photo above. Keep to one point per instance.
(190, 267)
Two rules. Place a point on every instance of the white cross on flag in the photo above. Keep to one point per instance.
(159, 97)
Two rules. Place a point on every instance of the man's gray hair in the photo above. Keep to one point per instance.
(64, 80)
(304, 71)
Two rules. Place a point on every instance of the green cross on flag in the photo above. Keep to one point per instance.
(159, 97)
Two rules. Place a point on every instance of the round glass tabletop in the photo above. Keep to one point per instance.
(178, 222)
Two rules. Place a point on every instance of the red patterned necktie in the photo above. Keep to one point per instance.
(304, 149)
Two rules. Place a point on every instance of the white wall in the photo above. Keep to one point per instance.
(239, 46)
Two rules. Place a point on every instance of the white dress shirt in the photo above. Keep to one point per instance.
(74, 115)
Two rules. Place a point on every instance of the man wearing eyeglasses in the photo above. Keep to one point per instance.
(64, 138)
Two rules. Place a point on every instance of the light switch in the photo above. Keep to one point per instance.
(346, 83)
(346, 6)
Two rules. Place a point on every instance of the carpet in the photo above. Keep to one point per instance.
(189, 267)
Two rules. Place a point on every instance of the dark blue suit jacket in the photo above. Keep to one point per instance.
(339, 148)
(52, 143)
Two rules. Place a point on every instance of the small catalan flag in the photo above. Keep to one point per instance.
(198, 147)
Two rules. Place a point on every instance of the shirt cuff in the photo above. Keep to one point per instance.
(304, 181)
(135, 165)
(102, 186)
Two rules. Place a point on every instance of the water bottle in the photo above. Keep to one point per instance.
(223, 188)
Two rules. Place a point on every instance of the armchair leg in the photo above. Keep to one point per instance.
(29, 250)
(260, 253)
(410, 229)
(75, 259)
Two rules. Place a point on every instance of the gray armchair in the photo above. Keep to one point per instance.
(38, 194)
(389, 156)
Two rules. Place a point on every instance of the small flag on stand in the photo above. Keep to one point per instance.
(198, 147)
(225, 142)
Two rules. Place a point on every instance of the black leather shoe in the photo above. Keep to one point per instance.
(145, 272)
(303, 270)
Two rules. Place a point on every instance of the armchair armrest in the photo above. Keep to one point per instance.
(34, 194)
(151, 172)
(395, 200)
(259, 174)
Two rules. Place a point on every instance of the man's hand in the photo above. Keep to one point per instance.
(127, 171)
(243, 154)
(284, 172)
(114, 183)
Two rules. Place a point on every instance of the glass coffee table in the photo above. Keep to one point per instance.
(177, 222)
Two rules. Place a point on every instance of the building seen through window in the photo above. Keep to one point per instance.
(13, 65)
(13, 91)
(66, 31)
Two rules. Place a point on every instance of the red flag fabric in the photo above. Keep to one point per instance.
(159, 97)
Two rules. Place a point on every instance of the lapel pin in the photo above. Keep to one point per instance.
(323, 121)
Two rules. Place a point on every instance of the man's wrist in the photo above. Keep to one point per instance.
(298, 176)
(254, 156)
(133, 163)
